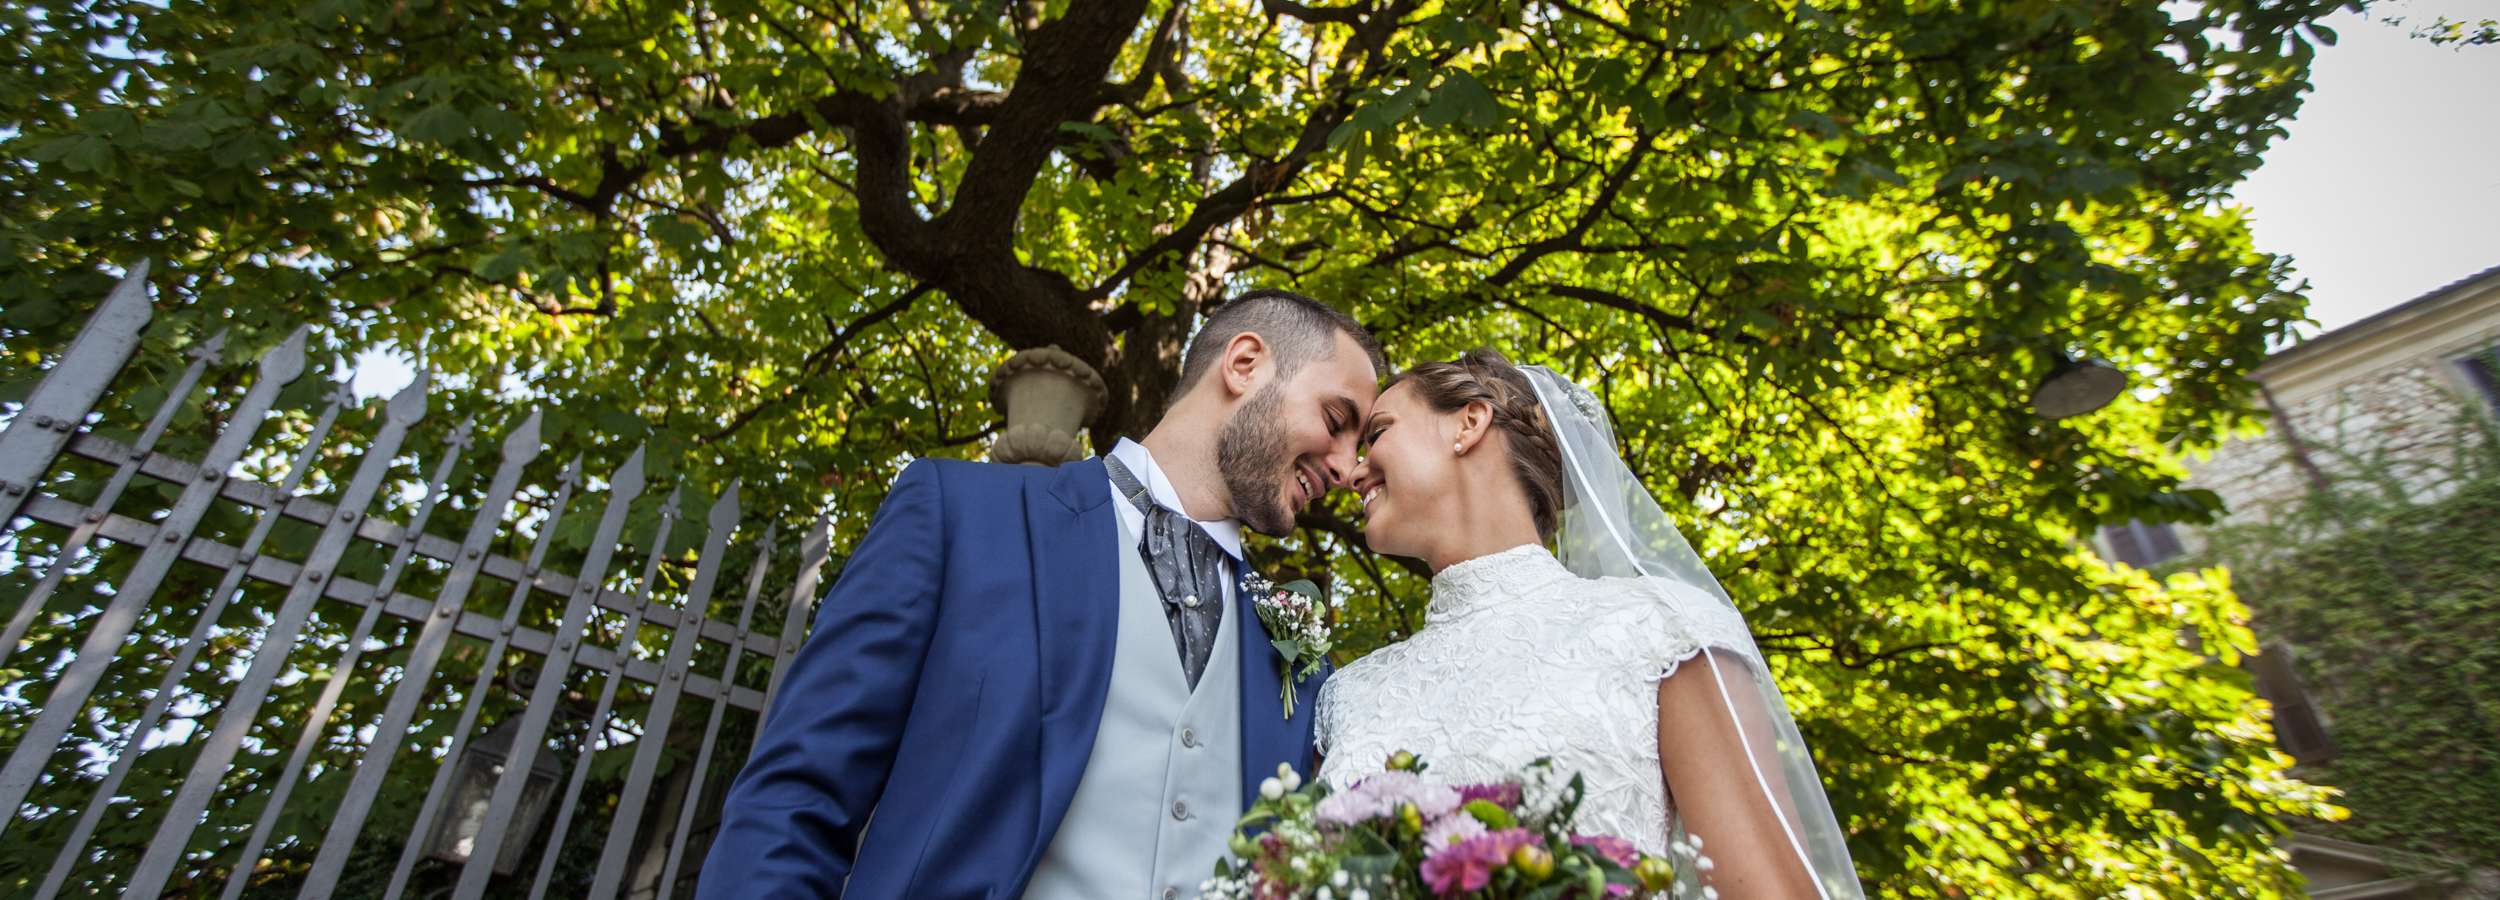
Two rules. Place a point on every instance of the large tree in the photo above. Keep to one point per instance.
(1813, 256)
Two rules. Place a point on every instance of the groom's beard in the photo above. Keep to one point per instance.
(1249, 454)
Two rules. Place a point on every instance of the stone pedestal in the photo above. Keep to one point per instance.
(1047, 396)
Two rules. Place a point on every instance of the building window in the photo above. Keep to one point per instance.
(2298, 728)
(2482, 371)
(2140, 544)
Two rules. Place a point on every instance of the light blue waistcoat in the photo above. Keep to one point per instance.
(1162, 787)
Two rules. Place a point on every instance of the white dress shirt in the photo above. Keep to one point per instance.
(1226, 532)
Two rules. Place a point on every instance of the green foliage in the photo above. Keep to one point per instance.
(2446, 30)
(1813, 256)
(2383, 585)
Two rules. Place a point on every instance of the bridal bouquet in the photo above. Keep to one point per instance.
(1395, 836)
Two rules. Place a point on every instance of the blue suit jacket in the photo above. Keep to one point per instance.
(952, 687)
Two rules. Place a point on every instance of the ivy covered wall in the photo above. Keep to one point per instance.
(2391, 603)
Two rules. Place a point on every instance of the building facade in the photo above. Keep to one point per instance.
(2390, 398)
(2402, 406)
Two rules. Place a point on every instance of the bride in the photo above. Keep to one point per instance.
(1616, 654)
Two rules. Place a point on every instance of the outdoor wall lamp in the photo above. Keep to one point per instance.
(473, 783)
(2075, 387)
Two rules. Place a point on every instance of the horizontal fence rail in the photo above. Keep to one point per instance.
(246, 654)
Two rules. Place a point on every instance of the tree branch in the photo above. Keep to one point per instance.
(1342, 15)
(1261, 177)
(1324, 520)
(959, 440)
(1061, 80)
(819, 358)
(1656, 316)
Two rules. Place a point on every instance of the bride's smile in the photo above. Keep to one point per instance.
(1441, 480)
(1618, 661)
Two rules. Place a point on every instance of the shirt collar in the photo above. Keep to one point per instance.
(1226, 532)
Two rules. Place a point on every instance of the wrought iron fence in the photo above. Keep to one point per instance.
(253, 672)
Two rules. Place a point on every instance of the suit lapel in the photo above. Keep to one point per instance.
(1076, 589)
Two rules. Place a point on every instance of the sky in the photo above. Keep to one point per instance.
(2389, 185)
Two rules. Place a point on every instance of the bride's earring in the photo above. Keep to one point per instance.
(1458, 448)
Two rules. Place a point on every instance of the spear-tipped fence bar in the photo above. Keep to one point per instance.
(230, 816)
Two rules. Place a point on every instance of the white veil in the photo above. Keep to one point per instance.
(1611, 526)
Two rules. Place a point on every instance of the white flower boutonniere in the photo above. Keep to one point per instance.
(1297, 626)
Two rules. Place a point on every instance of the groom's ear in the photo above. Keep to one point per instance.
(1246, 365)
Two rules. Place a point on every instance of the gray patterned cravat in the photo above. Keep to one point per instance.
(1188, 569)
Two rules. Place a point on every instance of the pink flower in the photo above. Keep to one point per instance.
(1620, 851)
(1468, 865)
(1504, 794)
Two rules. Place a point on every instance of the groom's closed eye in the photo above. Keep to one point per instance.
(1342, 416)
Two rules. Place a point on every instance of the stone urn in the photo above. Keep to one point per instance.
(1046, 396)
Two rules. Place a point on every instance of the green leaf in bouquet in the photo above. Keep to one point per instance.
(1491, 815)
(1303, 586)
(1370, 865)
(1289, 649)
(1581, 875)
(1369, 843)
(1569, 809)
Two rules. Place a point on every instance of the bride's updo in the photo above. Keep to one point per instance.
(1483, 374)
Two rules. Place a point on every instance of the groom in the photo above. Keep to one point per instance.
(1046, 682)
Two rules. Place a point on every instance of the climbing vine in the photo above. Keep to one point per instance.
(2385, 579)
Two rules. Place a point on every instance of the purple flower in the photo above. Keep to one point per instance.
(1468, 865)
(1620, 851)
(1505, 794)
(1452, 829)
(1380, 794)
(1349, 806)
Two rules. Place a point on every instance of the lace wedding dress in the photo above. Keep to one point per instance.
(1520, 659)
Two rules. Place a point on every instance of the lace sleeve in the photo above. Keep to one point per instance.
(1691, 621)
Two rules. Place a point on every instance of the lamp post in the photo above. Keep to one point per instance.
(2075, 387)
(473, 783)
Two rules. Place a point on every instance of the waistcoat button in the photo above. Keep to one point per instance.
(1180, 810)
(1189, 737)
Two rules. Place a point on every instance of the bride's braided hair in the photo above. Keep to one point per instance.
(1483, 374)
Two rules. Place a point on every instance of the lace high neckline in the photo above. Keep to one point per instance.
(1491, 579)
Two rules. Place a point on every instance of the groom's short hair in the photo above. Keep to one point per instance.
(1297, 330)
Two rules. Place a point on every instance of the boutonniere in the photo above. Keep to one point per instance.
(1297, 626)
